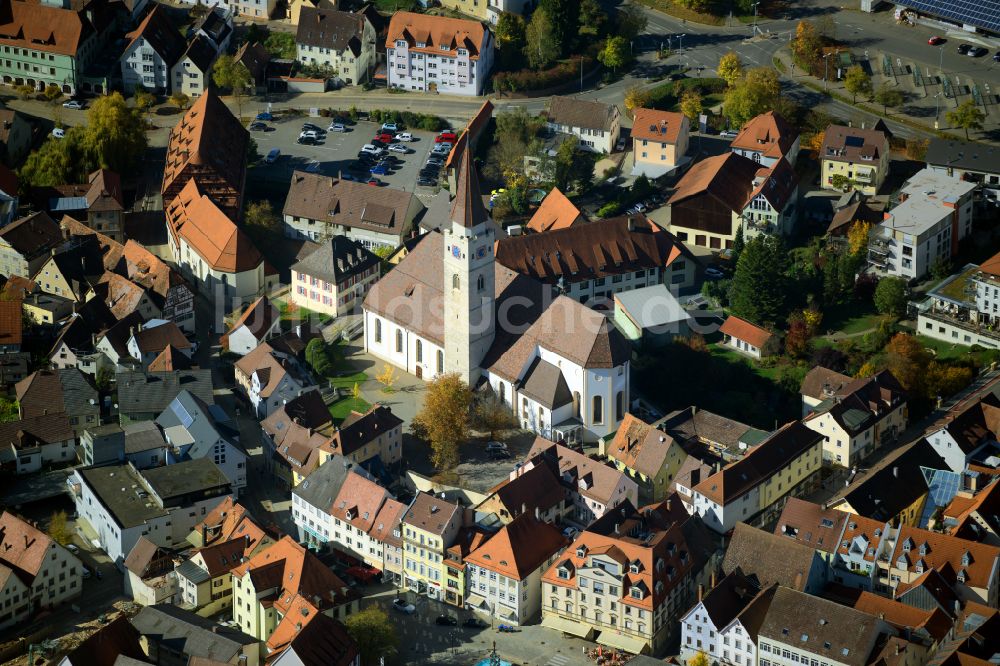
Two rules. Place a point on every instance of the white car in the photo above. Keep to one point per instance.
(403, 607)
(570, 532)
(336, 127)
(398, 148)
(370, 149)
(405, 136)
(72, 548)
(496, 446)
(59, 133)
(86, 572)
(729, 134)
(73, 104)
(390, 127)
(309, 134)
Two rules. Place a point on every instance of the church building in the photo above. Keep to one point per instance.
(449, 307)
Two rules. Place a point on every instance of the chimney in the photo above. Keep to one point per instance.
(701, 591)
(897, 644)
(712, 581)
(631, 224)
(617, 531)
(538, 513)
(895, 472)
(524, 507)
(204, 534)
(668, 506)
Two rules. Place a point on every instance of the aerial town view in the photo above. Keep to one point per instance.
(500, 332)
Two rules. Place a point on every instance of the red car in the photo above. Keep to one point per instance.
(446, 137)
(374, 182)
(384, 138)
(935, 40)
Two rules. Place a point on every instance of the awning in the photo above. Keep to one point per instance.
(580, 629)
(622, 642)
(474, 601)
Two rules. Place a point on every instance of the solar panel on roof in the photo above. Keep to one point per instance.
(854, 141)
(980, 13)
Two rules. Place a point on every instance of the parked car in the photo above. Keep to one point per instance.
(379, 170)
(977, 52)
(620, 146)
(379, 143)
(257, 126)
(272, 156)
(384, 137)
(312, 134)
(374, 182)
(496, 446)
(264, 116)
(405, 136)
(425, 181)
(371, 149)
(399, 148)
(58, 133)
(475, 623)
(73, 104)
(446, 137)
(935, 40)
(403, 607)
(729, 134)
(570, 532)
(435, 161)
(996, 57)
(390, 127)
(87, 573)
(963, 49)
(336, 127)
(446, 621)
(309, 127)
(714, 273)
(72, 548)
(307, 140)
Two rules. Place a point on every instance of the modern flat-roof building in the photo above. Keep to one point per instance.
(121, 504)
(933, 216)
(973, 162)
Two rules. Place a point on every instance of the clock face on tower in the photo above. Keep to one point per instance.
(481, 252)
(456, 252)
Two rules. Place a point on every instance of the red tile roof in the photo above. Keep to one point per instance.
(768, 134)
(440, 34)
(741, 329)
(22, 547)
(555, 212)
(196, 218)
(519, 548)
(11, 323)
(660, 126)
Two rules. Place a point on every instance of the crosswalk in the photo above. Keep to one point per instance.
(557, 660)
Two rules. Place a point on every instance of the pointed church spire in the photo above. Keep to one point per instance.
(467, 209)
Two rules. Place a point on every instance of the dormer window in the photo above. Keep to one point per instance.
(907, 545)
(581, 551)
(962, 576)
(634, 567)
(563, 573)
(401, 43)
(635, 592)
(901, 563)
(966, 559)
(923, 548)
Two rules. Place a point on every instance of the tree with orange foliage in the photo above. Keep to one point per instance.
(907, 360)
(814, 142)
(807, 47)
(857, 236)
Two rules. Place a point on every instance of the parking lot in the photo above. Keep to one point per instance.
(335, 151)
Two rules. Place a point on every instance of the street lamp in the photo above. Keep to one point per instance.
(826, 70)
(669, 42)
(753, 30)
(680, 43)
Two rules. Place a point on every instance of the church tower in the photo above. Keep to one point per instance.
(469, 290)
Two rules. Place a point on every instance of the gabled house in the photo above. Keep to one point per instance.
(754, 341)
(766, 139)
(36, 572)
(975, 517)
(270, 378)
(773, 204)
(647, 454)
(429, 527)
(153, 48)
(149, 574)
(715, 625)
(193, 430)
(28, 444)
(15, 142)
(163, 285)
(771, 559)
(292, 436)
(372, 439)
(142, 396)
(858, 418)
(320, 207)
(168, 632)
(321, 642)
(192, 73)
(707, 205)
(98, 203)
(27, 243)
(343, 42)
(152, 338)
(285, 584)
(555, 212)
(259, 322)
(595, 124)
(52, 392)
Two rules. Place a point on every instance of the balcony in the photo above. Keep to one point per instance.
(866, 177)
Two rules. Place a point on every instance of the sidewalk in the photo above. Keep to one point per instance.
(925, 100)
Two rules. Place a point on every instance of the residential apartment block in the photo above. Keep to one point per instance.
(972, 162)
(344, 42)
(647, 454)
(723, 624)
(932, 217)
(429, 528)
(438, 54)
(153, 49)
(766, 139)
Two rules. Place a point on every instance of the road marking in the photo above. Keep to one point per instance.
(557, 660)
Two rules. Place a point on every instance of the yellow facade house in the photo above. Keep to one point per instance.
(647, 454)
(429, 528)
(659, 141)
(854, 158)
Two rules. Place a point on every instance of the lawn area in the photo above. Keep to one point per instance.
(348, 381)
(945, 351)
(720, 351)
(342, 408)
(291, 312)
(851, 318)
